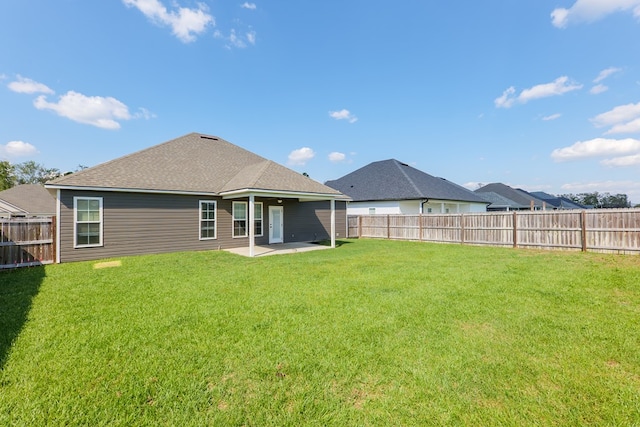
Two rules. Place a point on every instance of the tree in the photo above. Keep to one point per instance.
(600, 200)
(31, 172)
(7, 175)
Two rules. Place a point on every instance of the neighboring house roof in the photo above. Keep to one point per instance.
(557, 202)
(27, 199)
(521, 197)
(394, 180)
(500, 202)
(194, 163)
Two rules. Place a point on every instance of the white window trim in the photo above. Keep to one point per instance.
(75, 222)
(261, 219)
(233, 220)
(200, 220)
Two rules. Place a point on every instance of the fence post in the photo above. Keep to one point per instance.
(420, 226)
(359, 226)
(583, 230)
(388, 227)
(515, 229)
(462, 229)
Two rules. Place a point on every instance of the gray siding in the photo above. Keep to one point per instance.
(311, 221)
(139, 223)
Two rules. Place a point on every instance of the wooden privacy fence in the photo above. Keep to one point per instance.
(597, 230)
(27, 241)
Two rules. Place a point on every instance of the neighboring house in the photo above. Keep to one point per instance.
(393, 187)
(196, 192)
(517, 196)
(501, 203)
(557, 202)
(26, 200)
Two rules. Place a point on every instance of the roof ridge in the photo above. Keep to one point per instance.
(413, 184)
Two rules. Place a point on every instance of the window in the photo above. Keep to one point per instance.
(87, 221)
(257, 213)
(241, 219)
(372, 211)
(207, 219)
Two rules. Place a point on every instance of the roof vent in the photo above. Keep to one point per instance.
(213, 138)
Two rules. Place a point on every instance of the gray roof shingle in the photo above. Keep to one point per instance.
(394, 180)
(33, 199)
(193, 163)
(521, 197)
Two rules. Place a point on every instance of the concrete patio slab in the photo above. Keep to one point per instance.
(279, 249)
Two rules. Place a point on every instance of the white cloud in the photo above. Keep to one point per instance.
(552, 117)
(622, 161)
(247, 5)
(92, 110)
(234, 40)
(596, 148)
(185, 23)
(507, 99)
(17, 149)
(606, 73)
(25, 85)
(336, 157)
(599, 88)
(301, 156)
(343, 115)
(622, 119)
(251, 37)
(592, 10)
(559, 86)
(143, 113)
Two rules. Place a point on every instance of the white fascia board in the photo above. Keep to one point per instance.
(302, 196)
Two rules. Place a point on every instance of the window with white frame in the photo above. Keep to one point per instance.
(241, 219)
(207, 219)
(257, 218)
(87, 222)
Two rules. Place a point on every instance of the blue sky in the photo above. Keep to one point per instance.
(542, 95)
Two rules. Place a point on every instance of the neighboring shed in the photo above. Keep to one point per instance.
(196, 192)
(393, 187)
(27, 200)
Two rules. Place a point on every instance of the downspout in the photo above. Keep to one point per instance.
(422, 205)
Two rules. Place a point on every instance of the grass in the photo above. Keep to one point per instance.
(372, 333)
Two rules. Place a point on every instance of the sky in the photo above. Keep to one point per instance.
(540, 95)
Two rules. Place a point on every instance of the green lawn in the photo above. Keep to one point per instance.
(377, 333)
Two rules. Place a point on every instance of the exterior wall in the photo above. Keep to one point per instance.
(385, 207)
(412, 207)
(448, 206)
(311, 221)
(140, 223)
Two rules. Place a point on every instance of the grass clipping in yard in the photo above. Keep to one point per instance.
(372, 333)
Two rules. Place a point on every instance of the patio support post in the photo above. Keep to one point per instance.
(252, 220)
(333, 223)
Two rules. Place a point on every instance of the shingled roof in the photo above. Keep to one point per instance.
(394, 180)
(27, 199)
(194, 163)
(521, 197)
